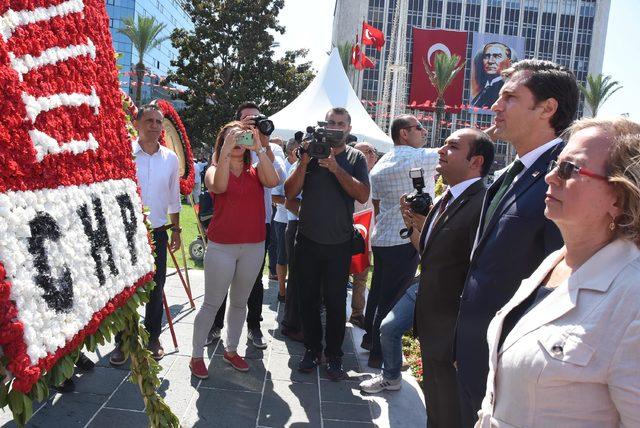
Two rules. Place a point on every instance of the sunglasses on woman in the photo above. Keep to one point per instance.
(566, 170)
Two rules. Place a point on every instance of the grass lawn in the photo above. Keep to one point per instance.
(189, 232)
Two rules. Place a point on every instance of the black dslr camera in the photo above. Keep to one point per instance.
(321, 140)
(419, 201)
(264, 125)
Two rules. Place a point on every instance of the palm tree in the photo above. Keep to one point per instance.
(445, 69)
(145, 36)
(599, 88)
(344, 49)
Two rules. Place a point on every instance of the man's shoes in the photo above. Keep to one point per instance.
(335, 371)
(157, 351)
(117, 357)
(256, 337)
(214, 334)
(375, 361)
(84, 363)
(295, 335)
(281, 298)
(236, 361)
(378, 384)
(366, 343)
(66, 386)
(309, 362)
(358, 321)
(198, 369)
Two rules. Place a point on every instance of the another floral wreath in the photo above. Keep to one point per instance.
(187, 181)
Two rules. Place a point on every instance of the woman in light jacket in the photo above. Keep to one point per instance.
(565, 350)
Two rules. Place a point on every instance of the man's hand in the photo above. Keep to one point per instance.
(410, 218)
(329, 163)
(174, 245)
(250, 122)
(304, 156)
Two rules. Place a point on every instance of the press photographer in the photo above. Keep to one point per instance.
(322, 250)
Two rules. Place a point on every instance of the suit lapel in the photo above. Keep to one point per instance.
(452, 209)
(531, 175)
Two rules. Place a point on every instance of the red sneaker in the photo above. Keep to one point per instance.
(198, 369)
(237, 362)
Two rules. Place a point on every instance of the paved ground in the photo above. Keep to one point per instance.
(272, 394)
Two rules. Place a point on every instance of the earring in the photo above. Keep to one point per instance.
(612, 226)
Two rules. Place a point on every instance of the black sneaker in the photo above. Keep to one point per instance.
(84, 363)
(309, 362)
(66, 386)
(334, 369)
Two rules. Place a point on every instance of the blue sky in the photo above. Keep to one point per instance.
(309, 25)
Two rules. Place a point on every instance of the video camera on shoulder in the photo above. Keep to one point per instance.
(321, 140)
(419, 201)
(264, 124)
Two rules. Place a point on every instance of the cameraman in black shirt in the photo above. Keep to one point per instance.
(323, 244)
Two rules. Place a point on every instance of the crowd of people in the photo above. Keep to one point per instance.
(527, 299)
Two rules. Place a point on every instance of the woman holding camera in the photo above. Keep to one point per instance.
(565, 350)
(236, 236)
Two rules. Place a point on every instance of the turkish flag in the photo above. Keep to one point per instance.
(362, 221)
(365, 61)
(372, 36)
(426, 44)
(356, 57)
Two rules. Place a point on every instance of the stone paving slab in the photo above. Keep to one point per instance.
(272, 394)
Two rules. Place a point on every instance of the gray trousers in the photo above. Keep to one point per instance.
(227, 268)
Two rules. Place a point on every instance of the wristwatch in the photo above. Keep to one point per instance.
(176, 229)
(262, 150)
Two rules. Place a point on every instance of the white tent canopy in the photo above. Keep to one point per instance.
(330, 88)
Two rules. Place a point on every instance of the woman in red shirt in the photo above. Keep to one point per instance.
(236, 237)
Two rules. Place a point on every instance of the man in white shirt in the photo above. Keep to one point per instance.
(394, 258)
(157, 173)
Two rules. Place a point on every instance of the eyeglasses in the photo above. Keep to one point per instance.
(418, 127)
(566, 169)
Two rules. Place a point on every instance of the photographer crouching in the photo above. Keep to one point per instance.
(331, 176)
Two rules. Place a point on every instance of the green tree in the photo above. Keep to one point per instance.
(598, 89)
(144, 34)
(344, 49)
(445, 69)
(228, 58)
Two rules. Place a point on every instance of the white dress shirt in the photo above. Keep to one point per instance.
(531, 157)
(278, 165)
(389, 180)
(159, 182)
(456, 191)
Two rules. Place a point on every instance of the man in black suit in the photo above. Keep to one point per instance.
(537, 102)
(444, 241)
(496, 57)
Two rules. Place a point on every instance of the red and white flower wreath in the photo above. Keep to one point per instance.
(73, 244)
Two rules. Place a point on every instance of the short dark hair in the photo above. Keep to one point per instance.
(481, 145)
(550, 80)
(401, 122)
(341, 111)
(148, 107)
(245, 105)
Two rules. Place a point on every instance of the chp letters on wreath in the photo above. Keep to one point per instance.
(73, 243)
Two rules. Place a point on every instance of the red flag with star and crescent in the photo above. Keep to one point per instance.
(372, 36)
(362, 221)
(426, 45)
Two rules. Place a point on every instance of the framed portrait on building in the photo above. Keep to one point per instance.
(491, 54)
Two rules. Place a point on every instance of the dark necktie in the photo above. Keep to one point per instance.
(443, 203)
(511, 173)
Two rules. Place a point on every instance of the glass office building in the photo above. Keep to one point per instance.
(157, 60)
(569, 32)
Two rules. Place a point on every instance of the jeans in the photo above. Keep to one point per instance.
(394, 325)
(393, 270)
(154, 309)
